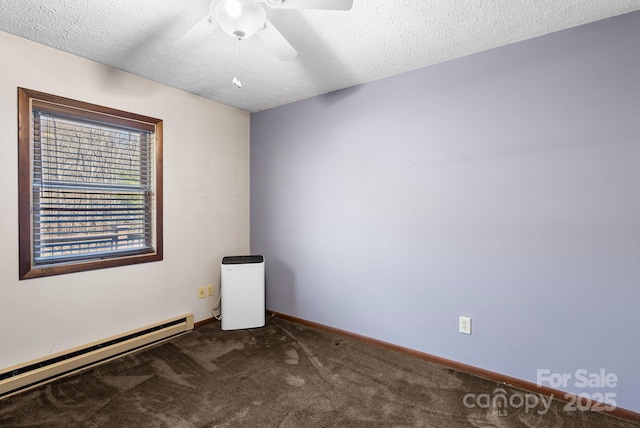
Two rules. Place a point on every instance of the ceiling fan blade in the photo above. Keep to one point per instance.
(196, 34)
(276, 42)
(310, 4)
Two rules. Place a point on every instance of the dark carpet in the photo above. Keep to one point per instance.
(282, 375)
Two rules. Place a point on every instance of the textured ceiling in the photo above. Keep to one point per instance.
(336, 49)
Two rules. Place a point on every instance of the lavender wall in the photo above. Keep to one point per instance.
(504, 186)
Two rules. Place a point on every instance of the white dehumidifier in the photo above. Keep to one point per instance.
(242, 300)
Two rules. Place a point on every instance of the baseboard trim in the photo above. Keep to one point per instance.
(465, 368)
(203, 322)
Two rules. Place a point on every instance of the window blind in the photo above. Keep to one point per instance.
(92, 189)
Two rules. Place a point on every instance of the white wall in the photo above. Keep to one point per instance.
(206, 209)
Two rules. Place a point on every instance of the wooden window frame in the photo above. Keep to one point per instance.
(27, 98)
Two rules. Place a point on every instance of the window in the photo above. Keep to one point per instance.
(90, 186)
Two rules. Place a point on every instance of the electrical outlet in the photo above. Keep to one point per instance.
(464, 325)
(210, 290)
(201, 293)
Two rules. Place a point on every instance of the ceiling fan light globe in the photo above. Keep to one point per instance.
(240, 18)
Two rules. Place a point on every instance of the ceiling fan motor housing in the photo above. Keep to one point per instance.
(240, 18)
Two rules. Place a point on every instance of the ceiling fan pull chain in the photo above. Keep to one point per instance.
(235, 80)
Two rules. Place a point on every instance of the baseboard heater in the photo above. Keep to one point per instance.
(33, 373)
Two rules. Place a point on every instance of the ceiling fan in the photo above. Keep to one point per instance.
(244, 18)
